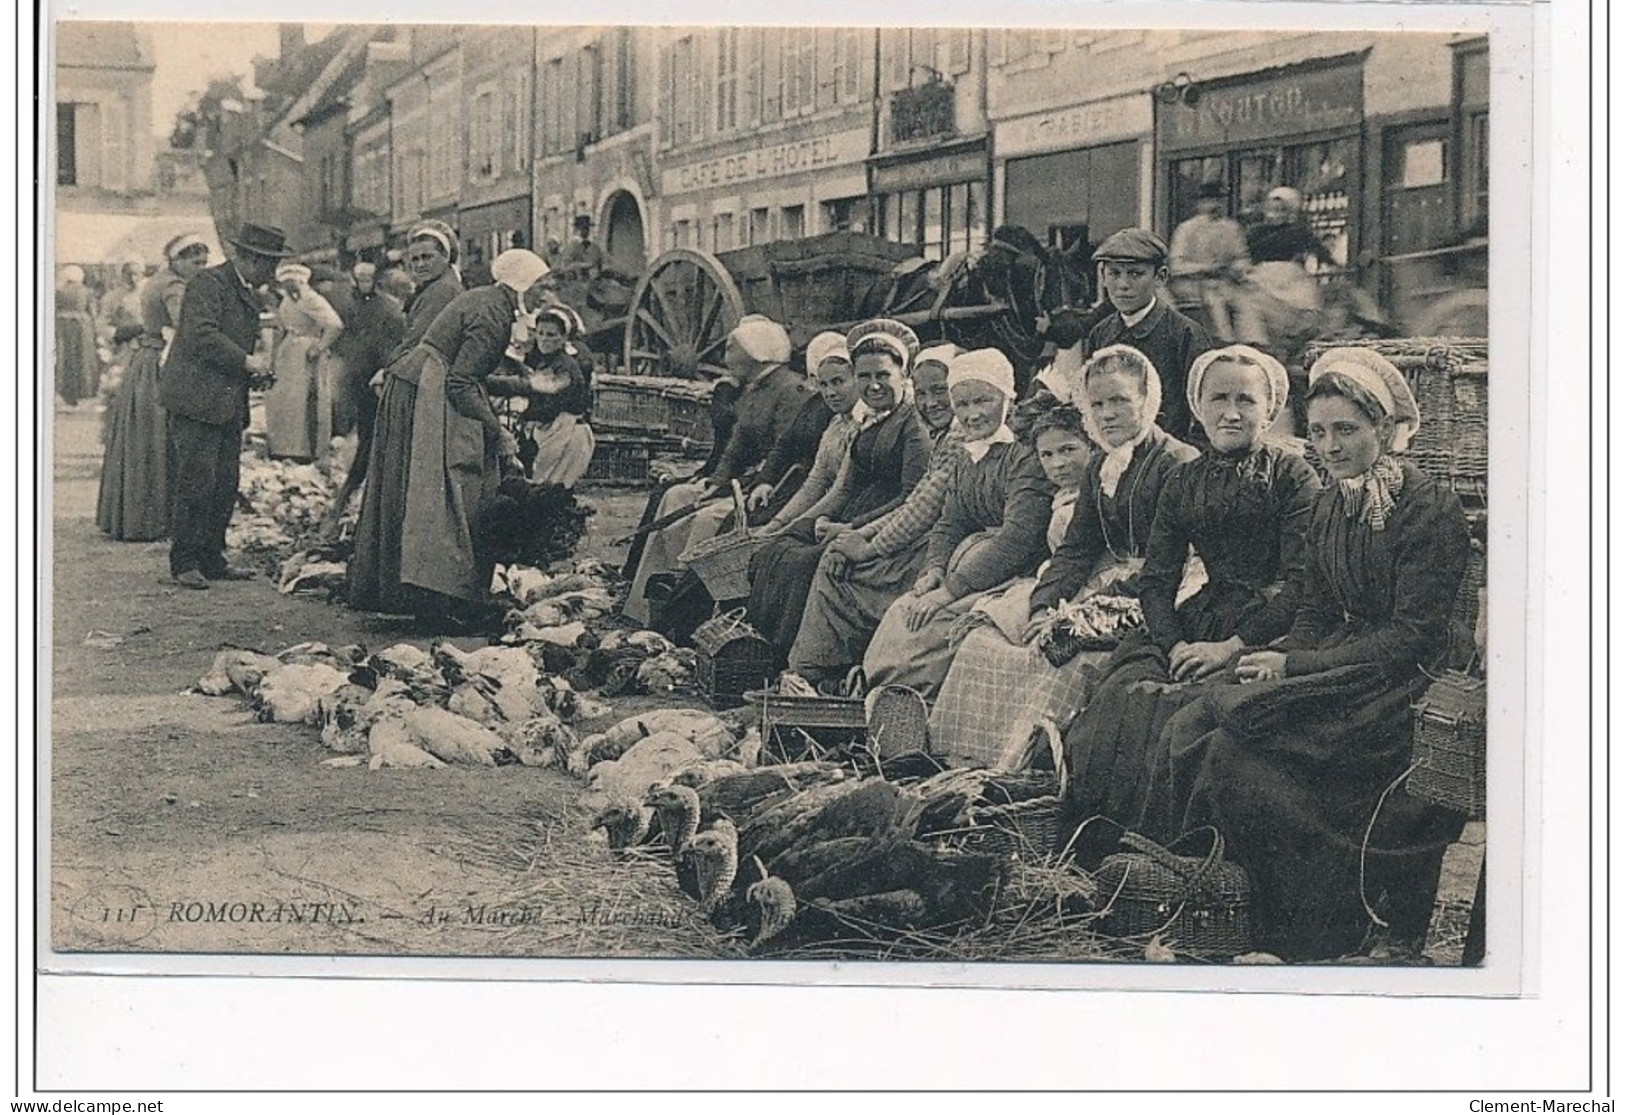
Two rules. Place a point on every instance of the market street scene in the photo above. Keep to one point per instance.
(886, 494)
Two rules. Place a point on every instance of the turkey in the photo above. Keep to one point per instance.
(891, 887)
(741, 794)
(627, 824)
(677, 811)
(452, 738)
(391, 745)
(236, 669)
(293, 694)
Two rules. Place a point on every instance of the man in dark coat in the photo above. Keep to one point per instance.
(1133, 264)
(204, 387)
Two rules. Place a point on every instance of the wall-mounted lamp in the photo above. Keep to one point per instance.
(1181, 90)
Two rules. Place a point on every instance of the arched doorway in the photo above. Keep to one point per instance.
(624, 233)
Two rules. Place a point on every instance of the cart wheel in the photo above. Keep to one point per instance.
(682, 313)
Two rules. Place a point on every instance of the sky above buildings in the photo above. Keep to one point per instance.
(189, 55)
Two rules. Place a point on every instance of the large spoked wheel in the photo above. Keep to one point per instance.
(685, 306)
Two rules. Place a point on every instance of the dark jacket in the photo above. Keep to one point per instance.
(763, 414)
(1171, 341)
(373, 329)
(206, 376)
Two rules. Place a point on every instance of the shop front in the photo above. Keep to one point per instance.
(1073, 175)
(1297, 126)
(937, 199)
(777, 191)
(488, 230)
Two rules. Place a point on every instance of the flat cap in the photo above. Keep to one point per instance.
(1132, 245)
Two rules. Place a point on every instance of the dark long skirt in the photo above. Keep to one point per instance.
(375, 568)
(781, 575)
(1109, 746)
(1303, 777)
(78, 370)
(132, 504)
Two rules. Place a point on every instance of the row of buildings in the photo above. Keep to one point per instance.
(722, 137)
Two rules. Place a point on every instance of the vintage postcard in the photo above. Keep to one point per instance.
(1037, 505)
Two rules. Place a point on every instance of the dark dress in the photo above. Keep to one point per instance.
(374, 328)
(433, 464)
(885, 462)
(78, 370)
(1244, 516)
(1292, 771)
(132, 504)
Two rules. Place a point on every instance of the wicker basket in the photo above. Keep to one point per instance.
(1448, 747)
(723, 563)
(1200, 904)
(898, 721)
(733, 659)
(623, 459)
(1464, 614)
(1026, 830)
(788, 721)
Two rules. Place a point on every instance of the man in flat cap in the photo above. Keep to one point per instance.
(204, 387)
(1133, 263)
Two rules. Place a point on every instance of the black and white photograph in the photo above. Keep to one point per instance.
(955, 494)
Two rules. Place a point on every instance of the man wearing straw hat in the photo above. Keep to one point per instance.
(204, 387)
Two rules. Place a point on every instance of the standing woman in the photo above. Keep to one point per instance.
(1300, 766)
(436, 452)
(76, 370)
(299, 407)
(133, 502)
(1241, 507)
(431, 260)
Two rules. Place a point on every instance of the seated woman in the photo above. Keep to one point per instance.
(436, 453)
(829, 362)
(1001, 686)
(862, 570)
(1300, 765)
(771, 397)
(995, 513)
(557, 396)
(886, 460)
(1241, 506)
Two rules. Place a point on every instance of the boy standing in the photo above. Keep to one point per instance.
(1133, 263)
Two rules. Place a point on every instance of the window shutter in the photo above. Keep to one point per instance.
(959, 48)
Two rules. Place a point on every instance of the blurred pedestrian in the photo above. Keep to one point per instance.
(77, 370)
(1283, 300)
(1207, 259)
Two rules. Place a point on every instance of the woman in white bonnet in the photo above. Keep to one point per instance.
(992, 528)
(76, 368)
(1299, 757)
(299, 406)
(132, 504)
(437, 454)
